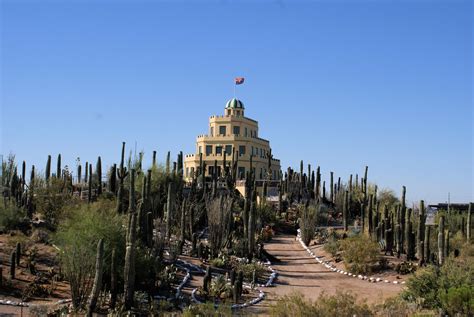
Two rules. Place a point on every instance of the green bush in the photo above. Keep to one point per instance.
(423, 287)
(458, 300)
(54, 200)
(11, 216)
(332, 246)
(449, 287)
(360, 254)
(309, 218)
(341, 304)
(208, 310)
(247, 270)
(77, 239)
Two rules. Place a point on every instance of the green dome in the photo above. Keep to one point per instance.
(235, 104)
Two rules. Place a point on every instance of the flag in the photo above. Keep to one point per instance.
(239, 80)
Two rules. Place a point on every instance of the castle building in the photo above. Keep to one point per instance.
(233, 133)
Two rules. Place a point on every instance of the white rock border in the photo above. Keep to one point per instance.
(331, 267)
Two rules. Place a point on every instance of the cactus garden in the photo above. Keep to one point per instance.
(136, 237)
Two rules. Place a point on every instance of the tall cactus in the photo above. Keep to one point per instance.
(169, 211)
(153, 162)
(468, 224)
(420, 233)
(99, 263)
(426, 245)
(403, 210)
(331, 193)
(168, 163)
(121, 174)
(345, 211)
(12, 264)
(47, 173)
(441, 240)
(99, 176)
(18, 253)
(112, 183)
(113, 280)
(129, 269)
(90, 184)
(58, 167)
(79, 173)
(408, 236)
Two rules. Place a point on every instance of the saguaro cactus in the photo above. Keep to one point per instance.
(409, 236)
(99, 176)
(426, 244)
(113, 280)
(206, 281)
(345, 211)
(129, 268)
(18, 253)
(99, 263)
(169, 210)
(58, 167)
(90, 184)
(468, 224)
(121, 174)
(441, 240)
(47, 173)
(12, 264)
(420, 233)
(331, 193)
(402, 215)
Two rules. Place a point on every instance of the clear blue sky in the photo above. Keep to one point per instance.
(341, 84)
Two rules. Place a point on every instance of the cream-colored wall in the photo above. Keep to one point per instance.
(192, 161)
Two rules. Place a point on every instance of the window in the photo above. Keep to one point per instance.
(236, 130)
(252, 150)
(228, 112)
(200, 150)
(192, 172)
(241, 172)
(187, 171)
(246, 131)
(228, 149)
(212, 131)
(219, 150)
(242, 150)
(208, 149)
(222, 130)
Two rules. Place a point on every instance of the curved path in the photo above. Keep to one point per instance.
(298, 272)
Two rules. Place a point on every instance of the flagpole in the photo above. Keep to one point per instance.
(234, 89)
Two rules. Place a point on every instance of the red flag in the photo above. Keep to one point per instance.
(239, 80)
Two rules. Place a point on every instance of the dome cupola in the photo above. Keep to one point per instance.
(234, 103)
(234, 107)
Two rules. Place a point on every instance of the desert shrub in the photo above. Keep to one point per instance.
(395, 307)
(309, 217)
(449, 287)
(341, 304)
(38, 310)
(11, 216)
(333, 244)
(458, 300)
(360, 254)
(248, 268)
(208, 310)
(266, 214)
(423, 287)
(77, 239)
(54, 200)
(293, 305)
(220, 288)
